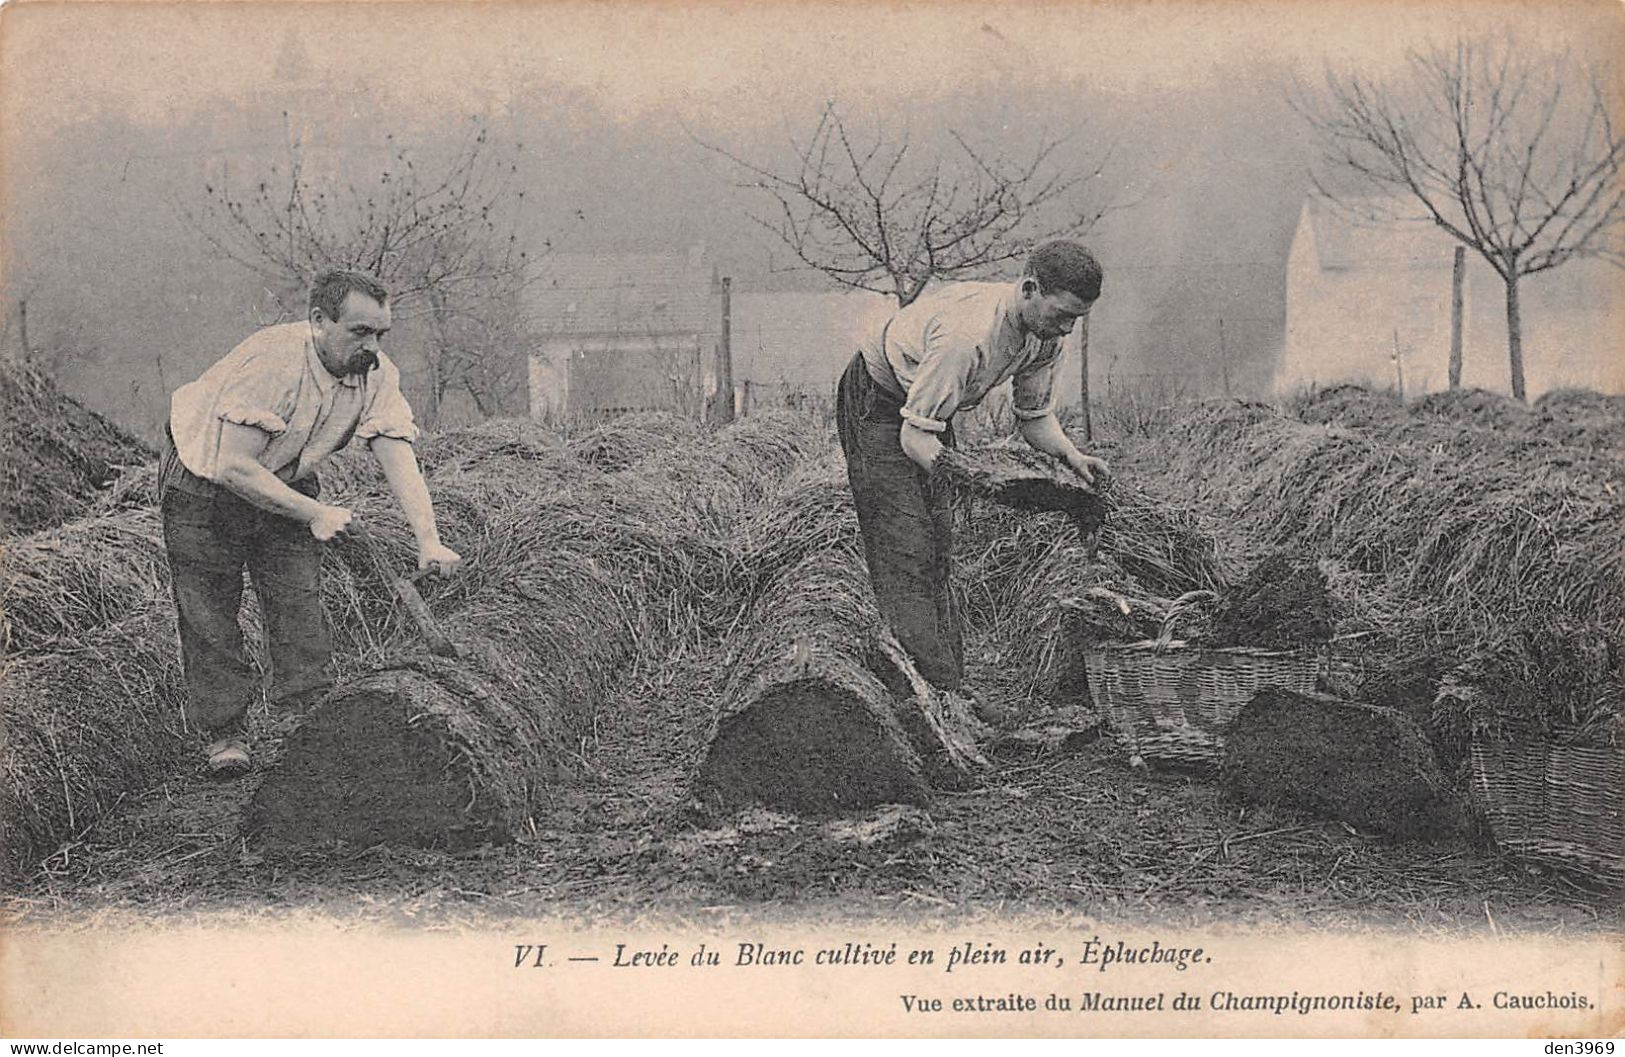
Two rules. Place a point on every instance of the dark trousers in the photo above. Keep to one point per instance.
(211, 536)
(907, 527)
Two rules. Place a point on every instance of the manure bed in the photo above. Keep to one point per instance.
(1076, 832)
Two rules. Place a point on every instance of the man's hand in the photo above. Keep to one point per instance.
(1046, 434)
(1088, 467)
(329, 521)
(920, 445)
(441, 558)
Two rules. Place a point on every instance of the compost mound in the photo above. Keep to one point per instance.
(1476, 407)
(1350, 405)
(1360, 763)
(812, 746)
(408, 785)
(1021, 478)
(1282, 604)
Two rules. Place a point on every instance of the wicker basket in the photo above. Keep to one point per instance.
(1554, 802)
(1170, 701)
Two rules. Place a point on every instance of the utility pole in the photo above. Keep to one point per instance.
(723, 411)
(1399, 365)
(1455, 316)
(1224, 357)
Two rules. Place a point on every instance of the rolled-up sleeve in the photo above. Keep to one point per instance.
(1033, 390)
(257, 417)
(386, 414)
(261, 394)
(939, 386)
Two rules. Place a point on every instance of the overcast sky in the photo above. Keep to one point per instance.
(714, 64)
(107, 110)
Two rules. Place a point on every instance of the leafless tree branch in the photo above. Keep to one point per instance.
(872, 212)
(445, 242)
(1496, 146)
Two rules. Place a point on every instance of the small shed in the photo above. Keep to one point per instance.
(623, 332)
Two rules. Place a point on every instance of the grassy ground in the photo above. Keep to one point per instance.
(1073, 831)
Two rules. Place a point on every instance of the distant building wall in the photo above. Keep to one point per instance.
(1349, 302)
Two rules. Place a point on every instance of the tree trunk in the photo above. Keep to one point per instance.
(1515, 335)
(1083, 376)
(1457, 270)
(1399, 366)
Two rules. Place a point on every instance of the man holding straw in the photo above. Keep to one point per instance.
(895, 404)
(239, 490)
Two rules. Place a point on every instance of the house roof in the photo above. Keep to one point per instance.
(1343, 241)
(624, 293)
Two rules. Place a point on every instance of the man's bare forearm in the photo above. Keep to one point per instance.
(260, 487)
(400, 465)
(1046, 435)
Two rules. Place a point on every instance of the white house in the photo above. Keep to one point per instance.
(1356, 292)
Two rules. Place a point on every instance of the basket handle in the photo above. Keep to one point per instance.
(1181, 605)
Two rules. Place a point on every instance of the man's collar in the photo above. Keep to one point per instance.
(325, 379)
(1012, 308)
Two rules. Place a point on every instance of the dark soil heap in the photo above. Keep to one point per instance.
(1021, 478)
(58, 453)
(805, 727)
(1283, 604)
(578, 580)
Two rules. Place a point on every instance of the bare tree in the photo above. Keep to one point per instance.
(444, 239)
(477, 343)
(1512, 151)
(873, 213)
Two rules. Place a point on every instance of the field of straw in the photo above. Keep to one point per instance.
(629, 583)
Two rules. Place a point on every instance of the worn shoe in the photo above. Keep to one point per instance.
(228, 758)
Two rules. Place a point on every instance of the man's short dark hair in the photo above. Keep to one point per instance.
(1065, 265)
(333, 286)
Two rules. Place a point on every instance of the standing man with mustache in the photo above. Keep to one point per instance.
(239, 490)
(895, 405)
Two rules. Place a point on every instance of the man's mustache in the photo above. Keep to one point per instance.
(362, 362)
